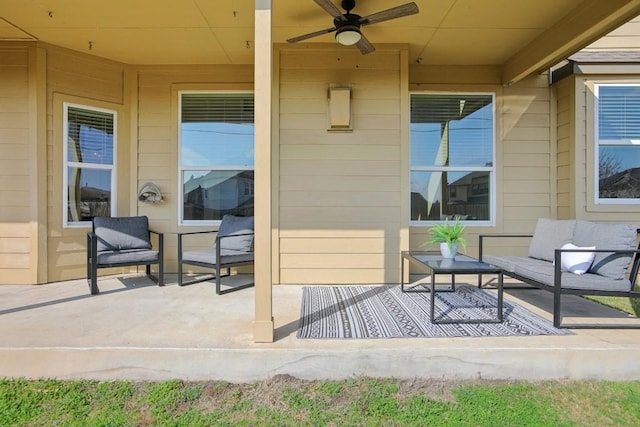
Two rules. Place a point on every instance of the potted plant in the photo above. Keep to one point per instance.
(449, 235)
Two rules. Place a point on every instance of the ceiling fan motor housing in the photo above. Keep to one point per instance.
(347, 19)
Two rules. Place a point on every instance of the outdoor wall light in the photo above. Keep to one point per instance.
(340, 109)
(348, 35)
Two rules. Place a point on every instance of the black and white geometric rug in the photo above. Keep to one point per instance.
(386, 312)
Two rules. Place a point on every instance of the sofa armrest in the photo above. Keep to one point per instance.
(483, 236)
(160, 237)
(190, 233)
(558, 262)
(92, 245)
(158, 234)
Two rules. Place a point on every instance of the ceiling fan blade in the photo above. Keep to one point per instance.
(393, 13)
(365, 46)
(310, 35)
(329, 7)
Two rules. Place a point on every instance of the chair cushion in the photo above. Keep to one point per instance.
(131, 256)
(208, 256)
(234, 226)
(551, 234)
(607, 236)
(122, 233)
(505, 262)
(589, 282)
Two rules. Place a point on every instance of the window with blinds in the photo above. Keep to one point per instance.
(216, 155)
(89, 146)
(217, 107)
(452, 157)
(617, 153)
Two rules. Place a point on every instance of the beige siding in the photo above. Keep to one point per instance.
(524, 162)
(575, 129)
(527, 164)
(565, 109)
(86, 76)
(582, 143)
(17, 262)
(627, 37)
(156, 121)
(90, 81)
(339, 194)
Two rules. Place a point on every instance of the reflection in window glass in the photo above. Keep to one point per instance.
(618, 143)
(619, 172)
(87, 201)
(452, 139)
(216, 155)
(436, 195)
(209, 196)
(217, 144)
(89, 144)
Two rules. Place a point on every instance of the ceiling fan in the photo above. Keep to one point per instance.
(347, 25)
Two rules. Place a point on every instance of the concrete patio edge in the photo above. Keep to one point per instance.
(242, 365)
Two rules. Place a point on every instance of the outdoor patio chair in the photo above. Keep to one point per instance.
(233, 247)
(122, 241)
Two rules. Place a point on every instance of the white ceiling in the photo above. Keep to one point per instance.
(452, 32)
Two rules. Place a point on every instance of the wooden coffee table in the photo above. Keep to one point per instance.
(435, 264)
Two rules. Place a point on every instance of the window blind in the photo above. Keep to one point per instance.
(619, 112)
(90, 136)
(437, 108)
(451, 130)
(217, 107)
(98, 120)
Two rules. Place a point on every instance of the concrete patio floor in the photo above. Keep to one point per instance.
(136, 330)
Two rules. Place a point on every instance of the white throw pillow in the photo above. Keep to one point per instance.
(577, 262)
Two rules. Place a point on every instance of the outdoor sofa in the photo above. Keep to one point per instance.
(574, 257)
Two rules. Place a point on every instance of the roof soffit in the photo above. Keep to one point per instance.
(522, 36)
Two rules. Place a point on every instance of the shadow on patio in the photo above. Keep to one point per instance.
(137, 330)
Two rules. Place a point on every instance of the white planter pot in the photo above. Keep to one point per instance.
(448, 251)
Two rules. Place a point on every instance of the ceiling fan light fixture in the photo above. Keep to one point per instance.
(348, 35)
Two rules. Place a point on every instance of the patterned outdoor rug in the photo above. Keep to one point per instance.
(386, 312)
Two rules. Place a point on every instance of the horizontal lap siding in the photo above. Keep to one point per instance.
(157, 145)
(581, 127)
(157, 151)
(526, 155)
(564, 93)
(85, 76)
(524, 160)
(89, 81)
(339, 193)
(16, 236)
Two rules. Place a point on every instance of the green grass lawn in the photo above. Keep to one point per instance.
(627, 305)
(285, 401)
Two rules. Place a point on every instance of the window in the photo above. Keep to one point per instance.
(617, 154)
(89, 164)
(216, 156)
(452, 157)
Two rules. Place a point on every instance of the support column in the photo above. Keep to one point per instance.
(38, 164)
(263, 330)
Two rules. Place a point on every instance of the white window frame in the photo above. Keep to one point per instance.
(85, 165)
(597, 143)
(491, 169)
(181, 169)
